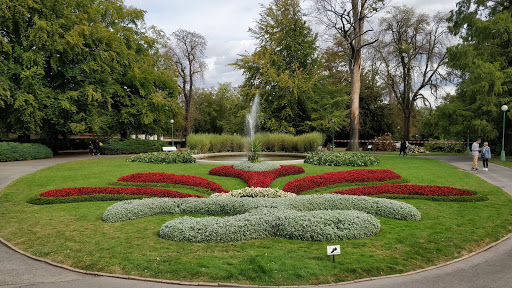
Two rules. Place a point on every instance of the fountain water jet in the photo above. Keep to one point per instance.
(251, 119)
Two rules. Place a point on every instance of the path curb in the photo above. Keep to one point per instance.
(175, 282)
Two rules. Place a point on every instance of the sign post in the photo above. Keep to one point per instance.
(333, 250)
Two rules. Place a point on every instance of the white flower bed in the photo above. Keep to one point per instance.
(254, 192)
(259, 166)
(380, 207)
(273, 223)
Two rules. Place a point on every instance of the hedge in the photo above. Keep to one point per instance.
(12, 151)
(356, 159)
(132, 146)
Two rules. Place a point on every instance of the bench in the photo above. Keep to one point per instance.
(169, 149)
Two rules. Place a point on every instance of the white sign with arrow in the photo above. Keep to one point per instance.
(333, 250)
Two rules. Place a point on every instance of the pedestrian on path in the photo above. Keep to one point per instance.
(475, 151)
(486, 155)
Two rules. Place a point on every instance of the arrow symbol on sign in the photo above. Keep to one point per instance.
(335, 249)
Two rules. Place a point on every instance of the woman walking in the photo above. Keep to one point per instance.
(486, 155)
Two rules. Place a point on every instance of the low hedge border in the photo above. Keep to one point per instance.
(12, 151)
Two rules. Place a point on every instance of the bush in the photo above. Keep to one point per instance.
(445, 147)
(163, 158)
(204, 143)
(11, 151)
(132, 146)
(273, 223)
(258, 166)
(136, 209)
(252, 192)
(270, 142)
(327, 158)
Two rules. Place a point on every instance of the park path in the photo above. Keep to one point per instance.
(490, 268)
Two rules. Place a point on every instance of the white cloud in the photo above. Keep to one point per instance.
(225, 25)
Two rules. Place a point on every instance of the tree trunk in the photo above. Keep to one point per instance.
(124, 134)
(407, 126)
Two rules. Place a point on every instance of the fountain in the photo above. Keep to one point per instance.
(251, 119)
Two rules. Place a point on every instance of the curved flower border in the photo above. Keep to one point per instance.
(300, 185)
(405, 189)
(169, 178)
(261, 179)
(139, 191)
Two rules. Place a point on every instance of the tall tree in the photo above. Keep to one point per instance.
(77, 66)
(347, 20)
(412, 51)
(188, 53)
(282, 68)
(484, 63)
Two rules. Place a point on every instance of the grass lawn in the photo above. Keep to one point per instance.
(73, 234)
(507, 162)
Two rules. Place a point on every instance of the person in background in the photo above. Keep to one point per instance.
(475, 151)
(486, 155)
(91, 148)
(403, 148)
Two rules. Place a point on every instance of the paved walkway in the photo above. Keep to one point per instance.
(491, 268)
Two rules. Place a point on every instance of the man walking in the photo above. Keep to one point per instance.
(475, 151)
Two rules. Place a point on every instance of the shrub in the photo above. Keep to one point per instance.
(327, 158)
(204, 143)
(259, 166)
(163, 158)
(267, 223)
(300, 185)
(169, 178)
(132, 146)
(257, 178)
(254, 192)
(11, 151)
(379, 207)
(275, 142)
(445, 147)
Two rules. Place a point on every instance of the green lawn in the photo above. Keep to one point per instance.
(507, 162)
(74, 235)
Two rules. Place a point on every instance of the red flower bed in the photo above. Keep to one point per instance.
(405, 189)
(257, 178)
(146, 191)
(168, 178)
(300, 185)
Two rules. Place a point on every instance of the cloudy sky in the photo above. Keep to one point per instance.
(224, 23)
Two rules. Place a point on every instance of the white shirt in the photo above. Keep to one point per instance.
(475, 149)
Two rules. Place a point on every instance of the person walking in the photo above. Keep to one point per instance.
(91, 148)
(403, 148)
(475, 151)
(486, 155)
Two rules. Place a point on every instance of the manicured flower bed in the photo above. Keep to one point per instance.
(257, 178)
(145, 191)
(300, 185)
(405, 189)
(169, 178)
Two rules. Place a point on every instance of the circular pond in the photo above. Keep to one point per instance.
(236, 157)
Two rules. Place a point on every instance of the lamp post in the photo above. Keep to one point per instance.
(467, 147)
(332, 120)
(504, 108)
(172, 131)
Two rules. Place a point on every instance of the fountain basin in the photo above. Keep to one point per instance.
(232, 158)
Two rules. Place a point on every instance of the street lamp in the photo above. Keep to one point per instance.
(467, 147)
(332, 120)
(172, 131)
(504, 108)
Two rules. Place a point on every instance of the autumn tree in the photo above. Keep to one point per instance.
(412, 54)
(187, 50)
(283, 67)
(347, 20)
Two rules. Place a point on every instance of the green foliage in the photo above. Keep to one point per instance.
(69, 67)
(163, 158)
(273, 223)
(219, 110)
(132, 146)
(204, 143)
(445, 147)
(136, 209)
(10, 151)
(327, 158)
(485, 61)
(254, 152)
(256, 166)
(276, 142)
(254, 192)
(283, 68)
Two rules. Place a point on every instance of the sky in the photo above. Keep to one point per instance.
(225, 24)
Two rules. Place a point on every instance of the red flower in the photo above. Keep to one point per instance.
(405, 189)
(261, 179)
(169, 178)
(300, 185)
(146, 191)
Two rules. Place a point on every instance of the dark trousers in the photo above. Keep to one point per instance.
(486, 162)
